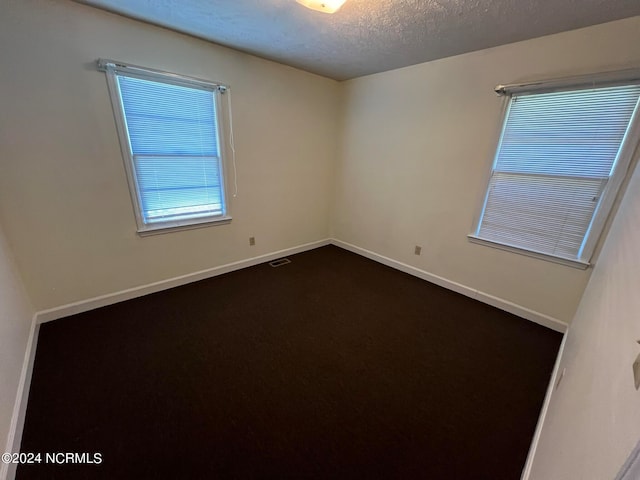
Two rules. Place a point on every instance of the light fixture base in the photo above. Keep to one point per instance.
(326, 6)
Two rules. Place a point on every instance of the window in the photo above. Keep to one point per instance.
(559, 163)
(170, 137)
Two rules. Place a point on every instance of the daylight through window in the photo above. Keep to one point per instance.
(559, 163)
(170, 136)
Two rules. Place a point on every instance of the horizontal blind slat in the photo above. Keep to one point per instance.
(168, 119)
(167, 183)
(554, 160)
(573, 132)
(173, 137)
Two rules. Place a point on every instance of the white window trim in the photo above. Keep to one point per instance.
(627, 157)
(113, 68)
(529, 253)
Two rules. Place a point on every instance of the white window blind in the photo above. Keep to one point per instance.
(554, 163)
(171, 137)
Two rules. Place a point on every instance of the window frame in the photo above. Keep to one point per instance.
(621, 169)
(112, 69)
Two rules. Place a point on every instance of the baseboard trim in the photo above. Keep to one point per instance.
(14, 438)
(553, 382)
(111, 298)
(7, 472)
(494, 301)
(139, 291)
(502, 304)
(630, 470)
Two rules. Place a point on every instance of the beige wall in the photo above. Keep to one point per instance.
(593, 421)
(417, 148)
(15, 321)
(415, 151)
(64, 200)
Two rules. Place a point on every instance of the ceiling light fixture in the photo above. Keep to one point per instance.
(326, 6)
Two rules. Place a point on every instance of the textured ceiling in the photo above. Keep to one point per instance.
(368, 36)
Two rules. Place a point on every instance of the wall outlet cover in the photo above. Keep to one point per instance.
(636, 372)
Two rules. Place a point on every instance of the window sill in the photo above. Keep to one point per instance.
(161, 228)
(542, 256)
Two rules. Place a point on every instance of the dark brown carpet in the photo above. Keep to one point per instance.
(333, 366)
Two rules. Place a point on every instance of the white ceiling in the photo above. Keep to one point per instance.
(368, 36)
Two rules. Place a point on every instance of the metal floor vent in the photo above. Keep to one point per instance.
(279, 262)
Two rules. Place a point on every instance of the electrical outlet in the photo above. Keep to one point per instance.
(252, 241)
(418, 250)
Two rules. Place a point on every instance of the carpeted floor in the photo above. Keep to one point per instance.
(333, 366)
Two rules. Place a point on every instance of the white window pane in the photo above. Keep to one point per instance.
(556, 157)
(544, 214)
(172, 133)
(180, 183)
(567, 133)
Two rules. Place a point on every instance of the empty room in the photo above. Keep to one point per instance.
(320, 239)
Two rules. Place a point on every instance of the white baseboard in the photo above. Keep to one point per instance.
(553, 383)
(502, 304)
(497, 302)
(630, 469)
(8, 471)
(128, 294)
(139, 291)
